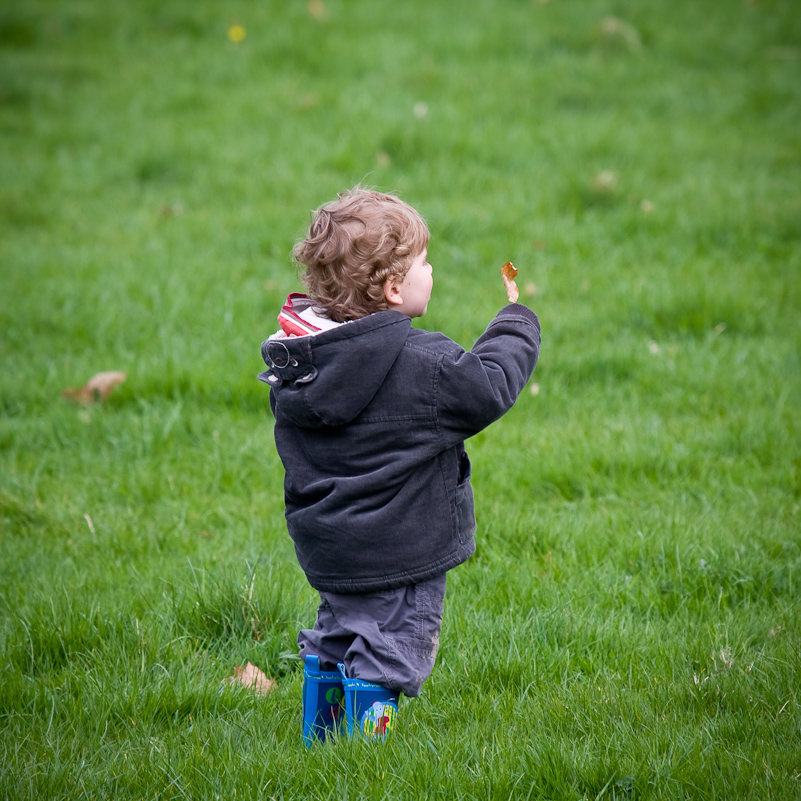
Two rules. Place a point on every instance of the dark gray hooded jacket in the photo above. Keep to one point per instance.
(370, 423)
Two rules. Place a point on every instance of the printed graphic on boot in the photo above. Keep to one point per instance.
(378, 720)
(334, 697)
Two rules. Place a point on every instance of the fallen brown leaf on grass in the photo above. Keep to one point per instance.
(615, 30)
(605, 181)
(250, 676)
(97, 388)
(317, 8)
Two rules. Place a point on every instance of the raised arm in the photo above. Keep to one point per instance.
(479, 386)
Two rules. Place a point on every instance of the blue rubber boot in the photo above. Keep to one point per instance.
(322, 701)
(370, 709)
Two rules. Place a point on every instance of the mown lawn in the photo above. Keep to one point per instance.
(629, 627)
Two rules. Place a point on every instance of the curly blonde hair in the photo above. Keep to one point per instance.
(355, 243)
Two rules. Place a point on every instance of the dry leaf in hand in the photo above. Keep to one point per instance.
(509, 273)
(250, 676)
(97, 388)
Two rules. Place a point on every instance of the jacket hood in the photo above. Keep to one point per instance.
(327, 379)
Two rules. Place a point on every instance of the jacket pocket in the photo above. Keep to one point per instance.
(465, 469)
(465, 506)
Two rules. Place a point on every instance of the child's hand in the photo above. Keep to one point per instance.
(509, 273)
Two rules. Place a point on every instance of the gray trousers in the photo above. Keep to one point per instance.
(390, 638)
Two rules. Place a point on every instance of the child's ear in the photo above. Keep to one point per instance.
(392, 291)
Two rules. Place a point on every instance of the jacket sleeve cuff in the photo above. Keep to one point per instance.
(518, 310)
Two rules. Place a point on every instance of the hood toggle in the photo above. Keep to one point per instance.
(293, 365)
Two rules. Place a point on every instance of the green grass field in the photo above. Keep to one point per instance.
(630, 626)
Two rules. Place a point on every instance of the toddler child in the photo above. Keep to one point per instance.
(371, 416)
